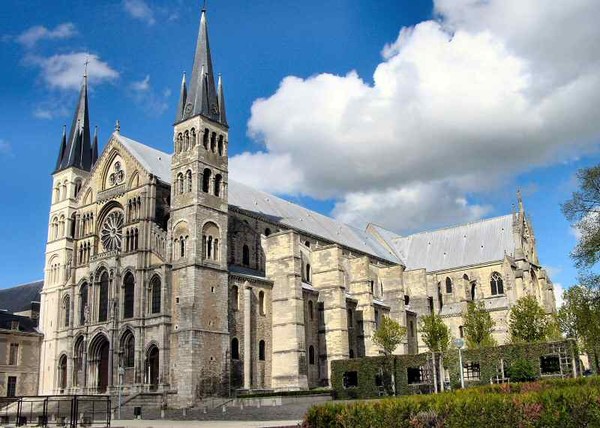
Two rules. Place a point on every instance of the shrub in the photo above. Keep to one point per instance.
(521, 370)
(560, 403)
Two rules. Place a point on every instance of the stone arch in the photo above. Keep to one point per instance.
(99, 361)
(134, 180)
(127, 348)
(152, 372)
(62, 372)
(211, 238)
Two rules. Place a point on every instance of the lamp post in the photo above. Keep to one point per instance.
(121, 373)
(459, 343)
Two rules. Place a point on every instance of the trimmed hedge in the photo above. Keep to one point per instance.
(565, 403)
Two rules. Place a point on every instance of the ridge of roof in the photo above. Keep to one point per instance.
(446, 228)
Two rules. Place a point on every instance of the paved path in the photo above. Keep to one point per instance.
(203, 424)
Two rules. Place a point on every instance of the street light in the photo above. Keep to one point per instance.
(459, 343)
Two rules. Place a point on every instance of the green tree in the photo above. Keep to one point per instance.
(435, 333)
(579, 315)
(582, 210)
(528, 321)
(478, 326)
(389, 335)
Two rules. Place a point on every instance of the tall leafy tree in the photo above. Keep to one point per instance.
(435, 333)
(579, 316)
(478, 326)
(583, 209)
(389, 335)
(528, 321)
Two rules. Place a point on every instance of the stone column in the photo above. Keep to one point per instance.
(247, 337)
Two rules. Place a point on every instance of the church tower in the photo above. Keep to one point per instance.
(77, 155)
(199, 216)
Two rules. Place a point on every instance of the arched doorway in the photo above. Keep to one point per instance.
(99, 362)
(152, 367)
(62, 373)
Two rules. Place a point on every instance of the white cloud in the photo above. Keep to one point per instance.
(34, 34)
(5, 147)
(65, 71)
(144, 95)
(455, 107)
(558, 294)
(140, 10)
(277, 173)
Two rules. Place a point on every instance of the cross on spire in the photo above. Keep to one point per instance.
(85, 65)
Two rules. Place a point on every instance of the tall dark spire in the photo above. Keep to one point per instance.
(78, 148)
(182, 99)
(202, 98)
(63, 148)
(222, 114)
(95, 147)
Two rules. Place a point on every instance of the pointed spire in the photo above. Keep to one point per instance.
(222, 115)
(95, 147)
(182, 100)
(63, 148)
(78, 151)
(520, 200)
(202, 96)
(117, 127)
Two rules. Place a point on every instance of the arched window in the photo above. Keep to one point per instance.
(65, 193)
(261, 350)
(180, 183)
(57, 193)
(310, 310)
(193, 135)
(179, 143)
(308, 272)
(218, 182)
(78, 361)
(62, 372)
(188, 180)
(246, 255)
(351, 353)
(235, 349)
(267, 231)
(496, 284)
(155, 290)
(128, 349)
(103, 298)
(216, 249)
(213, 142)
(235, 298)
(72, 225)
(66, 310)
(261, 303)
(473, 291)
(311, 355)
(186, 141)
(210, 241)
(205, 138)
(78, 184)
(83, 302)
(448, 285)
(209, 247)
(440, 298)
(128, 295)
(206, 180)
(61, 226)
(54, 228)
(182, 247)
(220, 145)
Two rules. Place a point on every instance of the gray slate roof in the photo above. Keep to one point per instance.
(272, 208)
(19, 298)
(465, 245)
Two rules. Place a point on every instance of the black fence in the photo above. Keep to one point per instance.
(56, 411)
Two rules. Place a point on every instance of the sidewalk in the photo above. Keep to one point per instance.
(202, 424)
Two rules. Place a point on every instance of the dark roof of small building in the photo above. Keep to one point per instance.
(25, 324)
(19, 298)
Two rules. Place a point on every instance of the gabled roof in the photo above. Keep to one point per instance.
(272, 208)
(19, 298)
(469, 244)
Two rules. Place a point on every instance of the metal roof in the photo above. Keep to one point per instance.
(465, 245)
(19, 298)
(269, 207)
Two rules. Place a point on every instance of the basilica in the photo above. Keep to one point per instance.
(166, 277)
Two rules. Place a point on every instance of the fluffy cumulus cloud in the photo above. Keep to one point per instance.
(64, 71)
(31, 36)
(455, 107)
(144, 95)
(139, 9)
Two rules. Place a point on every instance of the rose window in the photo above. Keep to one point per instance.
(111, 232)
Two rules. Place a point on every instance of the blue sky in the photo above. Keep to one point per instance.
(139, 50)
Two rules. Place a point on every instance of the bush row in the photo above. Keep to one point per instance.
(574, 403)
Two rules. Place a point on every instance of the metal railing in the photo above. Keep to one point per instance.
(56, 411)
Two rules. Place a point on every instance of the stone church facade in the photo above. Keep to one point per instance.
(169, 278)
